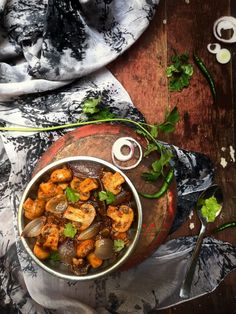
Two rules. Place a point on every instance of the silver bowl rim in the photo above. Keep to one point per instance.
(129, 250)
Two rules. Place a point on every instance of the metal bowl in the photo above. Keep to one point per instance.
(58, 269)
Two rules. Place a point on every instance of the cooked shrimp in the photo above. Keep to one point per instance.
(122, 217)
(61, 175)
(33, 209)
(85, 215)
(112, 182)
(84, 247)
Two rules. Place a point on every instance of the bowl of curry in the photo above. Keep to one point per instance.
(80, 218)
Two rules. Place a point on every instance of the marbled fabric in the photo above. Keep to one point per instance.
(45, 44)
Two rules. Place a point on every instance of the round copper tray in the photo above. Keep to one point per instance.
(97, 141)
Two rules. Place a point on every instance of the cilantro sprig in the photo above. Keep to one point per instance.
(157, 167)
(54, 256)
(210, 208)
(179, 72)
(70, 230)
(106, 196)
(95, 112)
(72, 195)
(90, 105)
(118, 245)
(169, 125)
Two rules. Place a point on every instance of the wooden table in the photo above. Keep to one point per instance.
(186, 26)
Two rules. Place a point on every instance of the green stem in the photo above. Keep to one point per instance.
(76, 124)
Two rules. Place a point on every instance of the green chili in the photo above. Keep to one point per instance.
(169, 177)
(230, 224)
(201, 65)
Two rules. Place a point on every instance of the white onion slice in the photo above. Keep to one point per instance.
(134, 144)
(213, 48)
(117, 147)
(225, 23)
(223, 56)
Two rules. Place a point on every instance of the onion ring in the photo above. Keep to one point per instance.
(117, 147)
(225, 23)
(213, 48)
(116, 151)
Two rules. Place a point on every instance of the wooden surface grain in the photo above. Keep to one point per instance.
(207, 127)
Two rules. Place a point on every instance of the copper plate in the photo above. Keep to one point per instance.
(97, 141)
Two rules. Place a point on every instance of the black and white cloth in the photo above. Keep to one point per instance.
(45, 44)
(40, 53)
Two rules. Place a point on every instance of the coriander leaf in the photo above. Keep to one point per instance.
(173, 116)
(118, 245)
(72, 195)
(151, 176)
(167, 127)
(150, 148)
(70, 230)
(210, 209)
(103, 113)
(54, 256)
(170, 69)
(90, 105)
(187, 69)
(179, 73)
(141, 132)
(157, 166)
(175, 85)
(154, 130)
(107, 196)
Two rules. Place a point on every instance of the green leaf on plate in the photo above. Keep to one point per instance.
(72, 195)
(70, 230)
(106, 196)
(54, 256)
(118, 245)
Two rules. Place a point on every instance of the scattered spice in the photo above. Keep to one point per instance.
(191, 226)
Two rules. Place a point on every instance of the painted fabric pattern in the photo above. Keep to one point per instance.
(45, 44)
